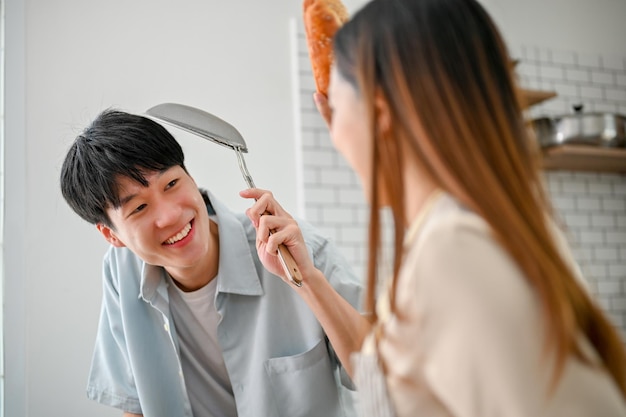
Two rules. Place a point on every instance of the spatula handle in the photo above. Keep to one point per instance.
(289, 265)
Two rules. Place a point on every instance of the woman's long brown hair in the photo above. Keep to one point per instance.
(445, 73)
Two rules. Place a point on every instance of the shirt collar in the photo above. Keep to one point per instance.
(237, 271)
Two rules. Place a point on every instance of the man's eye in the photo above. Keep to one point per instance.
(138, 209)
(171, 183)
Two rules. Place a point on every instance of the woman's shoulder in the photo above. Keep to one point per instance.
(455, 254)
(449, 223)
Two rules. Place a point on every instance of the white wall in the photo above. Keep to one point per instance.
(69, 59)
(593, 26)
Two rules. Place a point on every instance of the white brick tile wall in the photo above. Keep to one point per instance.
(574, 188)
(576, 219)
(604, 107)
(543, 54)
(338, 215)
(598, 188)
(616, 237)
(605, 254)
(584, 203)
(564, 58)
(605, 302)
(589, 60)
(311, 175)
(320, 157)
(599, 220)
(614, 63)
(311, 120)
(306, 102)
(308, 81)
(577, 75)
(591, 205)
(609, 287)
(604, 78)
(322, 195)
(355, 234)
(567, 90)
(613, 204)
(591, 237)
(337, 176)
(589, 92)
(350, 196)
(528, 69)
(617, 94)
(617, 270)
(552, 73)
(595, 272)
(563, 202)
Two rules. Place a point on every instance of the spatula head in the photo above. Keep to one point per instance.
(200, 123)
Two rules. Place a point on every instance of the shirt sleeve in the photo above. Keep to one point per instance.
(328, 259)
(110, 380)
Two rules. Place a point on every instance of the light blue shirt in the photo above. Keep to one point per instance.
(276, 353)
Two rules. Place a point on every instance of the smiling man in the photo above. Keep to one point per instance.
(191, 323)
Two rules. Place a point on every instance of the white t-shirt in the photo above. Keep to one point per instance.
(196, 319)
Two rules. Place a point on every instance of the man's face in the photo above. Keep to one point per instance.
(165, 223)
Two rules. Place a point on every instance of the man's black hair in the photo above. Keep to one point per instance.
(116, 144)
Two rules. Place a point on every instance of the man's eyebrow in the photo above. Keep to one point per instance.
(124, 200)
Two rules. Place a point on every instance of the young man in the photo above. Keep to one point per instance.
(192, 324)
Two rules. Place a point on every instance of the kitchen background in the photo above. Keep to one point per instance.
(591, 205)
(66, 60)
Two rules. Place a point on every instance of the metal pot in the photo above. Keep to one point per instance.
(595, 129)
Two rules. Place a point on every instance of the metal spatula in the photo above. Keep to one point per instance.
(211, 127)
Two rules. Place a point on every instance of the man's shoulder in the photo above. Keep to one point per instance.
(313, 237)
(117, 260)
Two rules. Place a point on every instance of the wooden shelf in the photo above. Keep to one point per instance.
(532, 97)
(585, 158)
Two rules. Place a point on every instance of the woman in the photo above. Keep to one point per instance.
(484, 314)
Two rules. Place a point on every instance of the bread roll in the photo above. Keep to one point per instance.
(322, 18)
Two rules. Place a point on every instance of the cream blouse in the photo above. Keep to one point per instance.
(467, 338)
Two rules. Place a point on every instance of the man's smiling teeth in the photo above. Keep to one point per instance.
(180, 235)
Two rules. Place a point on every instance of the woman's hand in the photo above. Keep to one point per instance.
(274, 226)
(321, 102)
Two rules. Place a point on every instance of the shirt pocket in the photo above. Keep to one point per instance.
(304, 384)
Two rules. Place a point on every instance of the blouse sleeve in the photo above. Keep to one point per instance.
(468, 335)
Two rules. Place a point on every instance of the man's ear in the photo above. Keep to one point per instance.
(383, 114)
(110, 235)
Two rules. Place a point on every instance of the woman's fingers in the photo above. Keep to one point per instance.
(252, 193)
(321, 102)
(274, 226)
(265, 204)
(276, 230)
(269, 218)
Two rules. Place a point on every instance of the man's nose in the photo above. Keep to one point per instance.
(167, 213)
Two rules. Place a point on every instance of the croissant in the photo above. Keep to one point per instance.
(322, 18)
